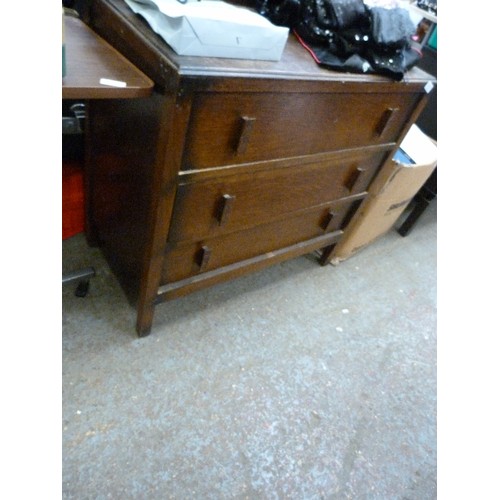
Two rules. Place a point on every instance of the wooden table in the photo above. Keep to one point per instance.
(89, 59)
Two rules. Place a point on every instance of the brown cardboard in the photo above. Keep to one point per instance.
(389, 195)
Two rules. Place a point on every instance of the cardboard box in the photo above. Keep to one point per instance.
(213, 28)
(390, 193)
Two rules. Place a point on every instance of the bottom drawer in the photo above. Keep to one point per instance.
(183, 260)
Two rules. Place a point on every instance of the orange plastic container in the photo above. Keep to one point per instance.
(73, 211)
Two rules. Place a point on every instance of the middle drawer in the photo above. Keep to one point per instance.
(208, 208)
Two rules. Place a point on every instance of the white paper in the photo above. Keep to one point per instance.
(112, 83)
(428, 87)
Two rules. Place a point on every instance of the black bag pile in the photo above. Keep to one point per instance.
(347, 35)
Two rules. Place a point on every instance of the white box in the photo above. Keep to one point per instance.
(213, 28)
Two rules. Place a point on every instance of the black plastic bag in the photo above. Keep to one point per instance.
(346, 35)
(391, 28)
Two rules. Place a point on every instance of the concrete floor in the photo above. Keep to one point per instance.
(298, 382)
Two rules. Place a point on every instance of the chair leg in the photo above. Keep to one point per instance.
(82, 276)
(421, 204)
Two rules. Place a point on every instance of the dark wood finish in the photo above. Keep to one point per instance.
(266, 195)
(260, 239)
(288, 125)
(226, 206)
(193, 283)
(231, 165)
(386, 120)
(247, 123)
(204, 258)
(90, 58)
(354, 179)
(330, 218)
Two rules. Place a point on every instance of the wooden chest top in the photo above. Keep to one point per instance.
(116, 22)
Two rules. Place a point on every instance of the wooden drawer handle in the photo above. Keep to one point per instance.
(204, 257)
(247, 123)
(329, 219)
(354, 178)
(225, 208)
(386, 120)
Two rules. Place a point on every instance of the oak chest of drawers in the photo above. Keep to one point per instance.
(231, 165)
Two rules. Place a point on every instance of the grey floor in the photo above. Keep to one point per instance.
(298, 382)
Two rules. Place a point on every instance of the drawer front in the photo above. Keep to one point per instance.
(236, 202)
(183, 260)
(234, 128)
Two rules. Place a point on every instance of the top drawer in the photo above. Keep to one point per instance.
(234, 128)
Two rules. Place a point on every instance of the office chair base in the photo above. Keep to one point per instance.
(82, 277)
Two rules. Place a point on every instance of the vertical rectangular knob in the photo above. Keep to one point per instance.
(329, 220)
(354, 178)
(204, 257)
(225, 208)
(247, 123)
(386, 120)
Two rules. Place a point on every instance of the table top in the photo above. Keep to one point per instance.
(115, 21)
(90, 59)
